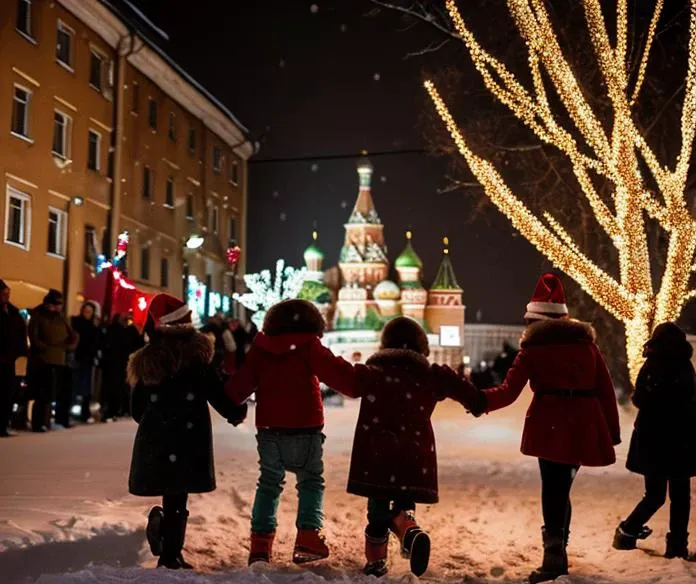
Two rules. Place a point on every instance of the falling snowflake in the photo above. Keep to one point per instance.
(375, 420)
(281, 64)
(383, 178)
(276, 194)
(314, 8)
(315, 167)
(344, 28)
(376, 77)
(392, 479)
(283, 216)
(371, 398)
(344, 204)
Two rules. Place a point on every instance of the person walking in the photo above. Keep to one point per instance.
(114, 362)
(85, 325)
(663, 444)
(51, 337)
(13, 345)
(573, 419)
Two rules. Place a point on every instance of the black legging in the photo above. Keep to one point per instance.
(174, 504)
(655, 496)
(556, 482)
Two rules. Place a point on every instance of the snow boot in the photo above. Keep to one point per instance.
(625, 539)
(154, 530)
(415, 543)
(261, 547)
(677, 547)
(310, 546)
(173, 536)
(555, 562)
(376, 549)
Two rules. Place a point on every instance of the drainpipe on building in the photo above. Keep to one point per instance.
(74, 255)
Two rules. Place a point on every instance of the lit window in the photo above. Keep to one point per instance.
(190, 207)
(20, 111)
(57, 229)
(61, 134)
(145, 263)
(96, 70)
(172, 126)
(64, 47)
(147, 182)
(214, 219)
(24, 17)
(217, 159)
(152, 114)
(94, 151)
(234, 172)
(17, 218)
(169, 196)
(90, 245)
(164, 273)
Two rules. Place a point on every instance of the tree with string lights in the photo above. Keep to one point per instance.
(643, 187)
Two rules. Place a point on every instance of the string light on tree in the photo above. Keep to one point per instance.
(615, 157)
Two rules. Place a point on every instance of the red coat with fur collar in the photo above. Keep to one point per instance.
(562, 355)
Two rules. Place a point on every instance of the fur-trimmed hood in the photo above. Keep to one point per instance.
(402, 358)
(172, 349)
(557, 331)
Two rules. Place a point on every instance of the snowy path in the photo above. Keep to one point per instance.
(63, 505)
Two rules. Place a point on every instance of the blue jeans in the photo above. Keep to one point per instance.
(301, 454)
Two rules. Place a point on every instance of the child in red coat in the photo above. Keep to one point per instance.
(394, 463)
(284, 367)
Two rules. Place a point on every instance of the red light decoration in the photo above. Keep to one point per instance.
(233, 254)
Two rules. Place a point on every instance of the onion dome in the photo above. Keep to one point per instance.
(408, 258)
(386, 290)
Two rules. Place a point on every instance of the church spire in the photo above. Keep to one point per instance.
(364, 210)
(445, 279)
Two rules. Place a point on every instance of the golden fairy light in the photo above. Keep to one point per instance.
(616, 157)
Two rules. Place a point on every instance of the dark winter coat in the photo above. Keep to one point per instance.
(284, 371)
(51, 337)
(664, 437)
(87, 347)
(561, 355)
(13, 335)
(173, 382)
(394, 446)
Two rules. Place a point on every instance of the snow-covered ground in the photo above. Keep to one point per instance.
(65, 515)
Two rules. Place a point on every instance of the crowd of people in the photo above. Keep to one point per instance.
(76, 367)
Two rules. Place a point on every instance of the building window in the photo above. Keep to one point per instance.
(145, 263)
(192, 140)
(135, 97)
(17, 218)
(214, 219)
(234, 172)
(20, 111)
(190, 207)
(232, 230)
(217, 159)
(61, 134)
(91, 245)
(152, 114)
(64, 48)
(164, 273)
(96, 70)
(172, 126)
(94, 151)
(169, 196)
(24, 17)
(148, 180)
(57, 229)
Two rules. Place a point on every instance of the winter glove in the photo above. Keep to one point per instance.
(238, 414)
(479, 404)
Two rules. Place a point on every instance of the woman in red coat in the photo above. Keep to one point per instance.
(573, 419)
(394, 463)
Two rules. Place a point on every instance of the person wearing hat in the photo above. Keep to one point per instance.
(51, 338)
(573, 419)
(13, 345)
(172, 382)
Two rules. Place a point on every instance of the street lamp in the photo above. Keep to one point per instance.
(195, 241)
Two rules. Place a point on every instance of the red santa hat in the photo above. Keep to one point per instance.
(548, 300)
(166, 310)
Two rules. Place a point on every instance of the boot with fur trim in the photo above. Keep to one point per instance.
(376, 550)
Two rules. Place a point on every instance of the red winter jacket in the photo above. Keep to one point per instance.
(562, 355)
(284, 371)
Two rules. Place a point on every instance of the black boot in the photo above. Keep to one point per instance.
(625, 538)
(154, 530)
(555, 562)
(677, 546)
(173, 536)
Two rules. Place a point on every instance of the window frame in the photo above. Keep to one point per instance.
(61, 233)
(214, 226)
(217, 159)
(90, 240)
(62, 27)
(192, 144)
(94, 52)
(145, 265)
(67, 135)
(169, 190)
(25, 227)
(150, 182)
(190, 206)
(164, 273)
(27, 105)
(171, 127)
(232, 236)
(233, 173)
(29, 21)
(97, 166)
(152, 114)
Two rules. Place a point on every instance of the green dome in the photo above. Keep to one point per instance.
(313, 252)
(408, 258)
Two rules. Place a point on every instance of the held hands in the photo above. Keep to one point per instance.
(477, 403)
(237, 414)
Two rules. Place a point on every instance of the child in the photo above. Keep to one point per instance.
(662, 445)
(172, 382)
(394, 463)
(573, 420)
(284, 367)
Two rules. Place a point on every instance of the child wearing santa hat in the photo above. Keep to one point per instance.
(573, 418)
(173, 381)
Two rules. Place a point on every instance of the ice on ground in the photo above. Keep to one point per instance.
(66, 517)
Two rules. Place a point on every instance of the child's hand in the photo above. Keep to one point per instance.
(478, 405)
(238, 415)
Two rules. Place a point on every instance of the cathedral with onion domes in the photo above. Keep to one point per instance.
(363, 299)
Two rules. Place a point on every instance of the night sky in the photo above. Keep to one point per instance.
(315, 79)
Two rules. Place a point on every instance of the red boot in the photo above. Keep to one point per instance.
(376, 554)
(415, 543)
(310, 546)
(261, 547)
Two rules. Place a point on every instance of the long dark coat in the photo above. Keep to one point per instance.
(13, 335)
(561, 355)
(173, 382)
(394, 446)
(664, 437)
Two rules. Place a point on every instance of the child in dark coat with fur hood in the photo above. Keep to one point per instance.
(283, 368)
(173, 381)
